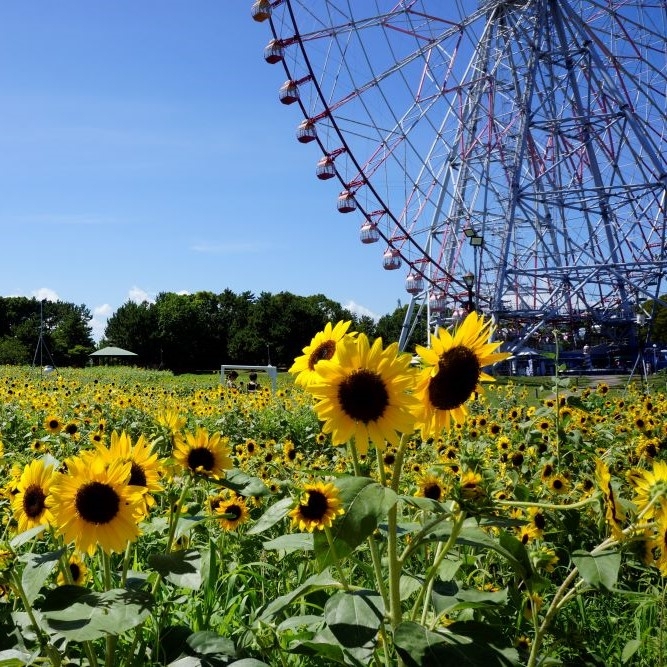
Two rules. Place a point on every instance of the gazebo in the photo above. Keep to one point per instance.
(112, 355)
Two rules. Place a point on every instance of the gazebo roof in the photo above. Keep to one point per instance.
(113, 352)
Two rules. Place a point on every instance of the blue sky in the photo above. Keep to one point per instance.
(143, 149)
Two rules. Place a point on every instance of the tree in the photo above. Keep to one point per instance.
(59, 330)
(133, 327)
(389, 328)
(71, 335)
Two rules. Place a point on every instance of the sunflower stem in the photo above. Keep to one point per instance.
(176, 514)
(355, 458)
(377, 569)
(398, 463)
(42, 637)
(126, 564)
(106, 569)
(332, 546)
(395, 564)
(111, 640)
(443, 549)
(395, 613)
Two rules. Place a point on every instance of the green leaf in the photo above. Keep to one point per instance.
(291, 542)
(210, 648)
(186, 522)
(181, 568)
(354, 618)
(83, 615)
(630, 649)
(37, 570)
(365, 502)
(420, 647)
(518, 554)
(599, 570)
(409, 584)
(323, 645)
(26, 536)
(270, 518)
(310, 621)
(244, 484)
(447, 596)
(314, 583)
(13, 658)
(472, 535)
(248, 662)
(427, 504)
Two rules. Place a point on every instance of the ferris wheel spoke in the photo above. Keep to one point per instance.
(521, 141)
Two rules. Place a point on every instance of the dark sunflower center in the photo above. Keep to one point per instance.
(363, 396)
(54, 424)
(201, 457)
(234, 511)
(432, 491)
(97, 503)
(33, 501)
(539, 521)
(324, 351)
(137, 475)
(456, 379)
(316, 506)
(75, 570)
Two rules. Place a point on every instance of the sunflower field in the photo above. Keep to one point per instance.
(367, 512)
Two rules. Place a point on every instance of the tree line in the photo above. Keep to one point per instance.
(204, 330)
(181, 332)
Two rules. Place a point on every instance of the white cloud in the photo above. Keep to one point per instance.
(139, 295)
(360, 310)
(46, 293)
(100, 316)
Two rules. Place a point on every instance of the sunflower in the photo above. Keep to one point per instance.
(171, 420)
(363, 393)
(145, 468)
(538, 521)
(232, 512)
(78, 572)
(544, 558)
(655, 547)
(613, 512)
(432, 487)
(318, 508)
(30, 502)
(71, 429)
(471, 485)
(651, 489)
(532, 604)
(558, 484)
(452, 373)
(322, 346)
(92, 504)
(202, 453)
(53, 425)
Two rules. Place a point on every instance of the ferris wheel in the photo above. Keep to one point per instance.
(508, 155)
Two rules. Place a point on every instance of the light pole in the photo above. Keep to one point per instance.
(469, 280)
